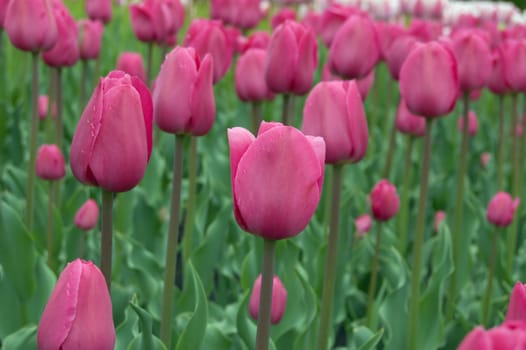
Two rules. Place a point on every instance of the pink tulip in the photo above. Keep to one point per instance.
(517, 305)
(473, 56)
(132, 63)
(50, 164)
(78, 313)
(65, 52)
(387, 34)
(355, 48)
(187, 79)
(243, 14)
(334, 111)
(312, 20)
(363, 225)
(364, 84)
(440, 216)
(256, 40)
(485, 158)
(207, 36)
(397, 53)
(473, 124)
(514, 64)
(429, 80)
(332, 19)
(87, 216)
(275, 193)
(477, 339)
(510, 335)
(501, 209)
(425, 30)
(90, 36)
(408, 123)
(113, 140)
(99, 10)
(384, 201)
(291, 59)
(279, 300)
(3, 9)
(31, 25)
(496, 81)
(155, 20)
(250, 76)
(43, 107)
(281, 16)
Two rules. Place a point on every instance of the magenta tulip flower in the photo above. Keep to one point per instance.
(517, 305)
(113, 140)
(43, 107)
(78, 314)
(408, 123)
(508, 336)
(363, 225)
(279, 300)
(387, 34)
(501, 209)
(291, 59)
(275, 193)
(332, 19)
(284, 14)
(256, 40)
(133, 64)
(384, 201)
(65, 52)
(514, 64)
(87, 216)
(397, 53)
(90, 37)
(473, 56)
(334, 111)
(99, 10)
(496, 81)
(429, 80)
(31, 25)
(250, 76)
(355, 48)
(50, 163)
(473, 124)
(155, 20)
(243, 14)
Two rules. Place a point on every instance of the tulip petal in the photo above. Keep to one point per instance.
(307, 62)
(202, 102)
(318, 145)
(281, 58)
(477, 339)
(357, 126)
(147, 108)
(266, 126)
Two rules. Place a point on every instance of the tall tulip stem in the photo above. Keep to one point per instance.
(487, 295)
(265, 299)
(50, 224)
(500, 145)
(330, 260)
(512, 233)
(459, 209)
(374, 276)
(390, 150)
(32, 143)
(171, 247)
(107, 236)
(419, 239)
(60, 109)
(256, 116)
(83, 81)
(287, 109)
(190, 202)
(404, 200)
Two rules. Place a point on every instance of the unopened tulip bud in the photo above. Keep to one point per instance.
(514, 64)
(384, 201)
(250, 76)
(65, 52)
(363, 225)
(281, 16)
(50, 164)
(517, 305)
(473, 56)
(501, 209)
(43, 107)
(332, 19)
(397, 53)
(87, 216)
(485, 158)
(132, 63)
(78, 313)
(90, 36)
(408, 123)
(473, 124)
(99, 10)
(439, 218)
(279, 300)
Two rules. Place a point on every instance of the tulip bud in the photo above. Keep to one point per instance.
(496, 82)
(477, 339)
(425, 30)
(275, 193)
(397, 53)
(184, 78)
(256, 40)
(78, 313)
(387, 34)
(132, 63)
(517, 306)
(156, 20)
(113, 140)
(90, 36)
(408, 123)
(279, 300)
(485, 159)
(473, 58)
(473, 124)
(501, 209)
(281, 16)
(345, 59)
(428, 80)
(99, 10)
(43, 107)
(514, 64)
(363, 225)
(332, 19)
(509, 335)
(65, 52)
(243, 14)
(334, 111)
(291, 59)
(207, 36)
(384, 201)
(31, 25)
(50, 164)
(87, 216)
(250, 76)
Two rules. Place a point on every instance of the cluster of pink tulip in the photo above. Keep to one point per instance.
(277, 170)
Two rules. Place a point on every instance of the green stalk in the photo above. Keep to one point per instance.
(404, 200)
(500, 147)
(419, 239)
(190, 206)
(486, 303)
(50, 225)
(256, 116)
(60, 108)
(83, 80)
(512, 233)
(459, 210)
(32, 143)
(390, 150)
(330, 262)
(50, 119)
(374, 276)
(287, 109)
(149, 63)
(265, 298)
(106, 236)
(171, 247)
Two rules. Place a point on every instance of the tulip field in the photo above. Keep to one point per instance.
(243, 174)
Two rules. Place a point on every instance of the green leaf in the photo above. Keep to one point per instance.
(364, 339)
(145, 340)
(23, 339)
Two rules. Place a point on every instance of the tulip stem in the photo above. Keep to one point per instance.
(486, 303)
(60, 124)
(404, 200)
(459, 209)
(390, 150)
(256, 116)
(107, 236)
(419, 239)
(512, 233)
(83, 79)
(190, 206)
(287, 109)
(330, 260)
(149, 63)
(32, 143)
(374, 276)
(171, 247)
(265, 299)
(50, 225)
(500, 165)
